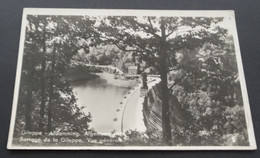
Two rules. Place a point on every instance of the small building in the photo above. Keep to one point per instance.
(132, 70)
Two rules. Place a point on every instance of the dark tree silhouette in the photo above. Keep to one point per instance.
(157, 40)
(50, 44)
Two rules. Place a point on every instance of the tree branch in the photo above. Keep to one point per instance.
(151, 25)
(183, 66)
(147, 30)
(176, 82)
(169, 33)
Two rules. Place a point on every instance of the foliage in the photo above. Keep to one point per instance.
(157, 40)
(46, 100)
(193, 56)
(211, 94)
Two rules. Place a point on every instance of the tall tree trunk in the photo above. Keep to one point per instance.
(28, 106)
(43, 93)
(166, 124)
(43, 96)
(51, 89)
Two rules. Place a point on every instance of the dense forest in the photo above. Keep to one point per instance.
(195, 58)
(46, 100)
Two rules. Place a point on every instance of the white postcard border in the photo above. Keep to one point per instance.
(100, 12)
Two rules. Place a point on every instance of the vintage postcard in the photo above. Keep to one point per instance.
(96, 79)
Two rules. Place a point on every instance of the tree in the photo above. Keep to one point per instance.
(157, 40)
(50, 44)
(65, 42)
(36, 33)
(210, 97)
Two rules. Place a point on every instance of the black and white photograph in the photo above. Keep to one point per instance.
(95, 79)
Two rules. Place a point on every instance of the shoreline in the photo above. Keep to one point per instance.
(117, 82)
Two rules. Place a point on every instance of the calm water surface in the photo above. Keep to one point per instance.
(101, 100)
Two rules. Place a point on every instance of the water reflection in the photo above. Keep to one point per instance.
(101, 100)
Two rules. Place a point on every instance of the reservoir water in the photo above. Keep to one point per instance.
(101, 100)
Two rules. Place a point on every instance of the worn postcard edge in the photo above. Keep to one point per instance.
(126, 12)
